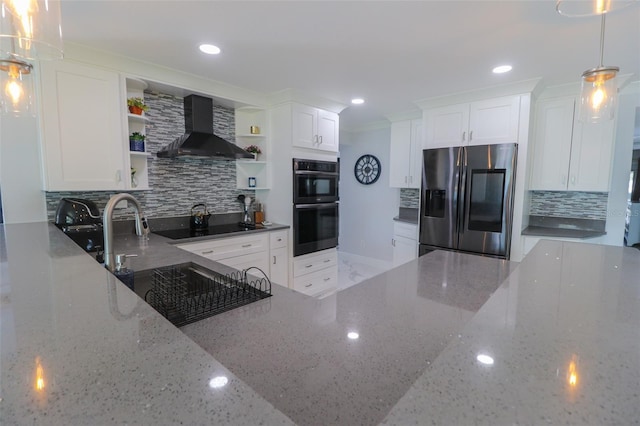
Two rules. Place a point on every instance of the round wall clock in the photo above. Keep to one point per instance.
(367, 169)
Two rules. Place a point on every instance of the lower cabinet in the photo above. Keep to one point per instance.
(316, 274)
(279, 258)
(266, 250)
(405, 242)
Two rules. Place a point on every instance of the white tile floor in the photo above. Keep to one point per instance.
(353, 269)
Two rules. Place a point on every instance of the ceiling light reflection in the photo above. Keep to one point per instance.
(357, 101)
(353, 335)
(218, 382)
(485, 359)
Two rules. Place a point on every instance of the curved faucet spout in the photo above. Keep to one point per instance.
(142, 228)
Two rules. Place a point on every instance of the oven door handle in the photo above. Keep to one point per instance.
(315, 205)
(320, 174)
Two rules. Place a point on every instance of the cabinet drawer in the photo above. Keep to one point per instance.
(314, 284)
(258, 260)
(313, 262)
(228, 247)
(277, 239)
(403, 229)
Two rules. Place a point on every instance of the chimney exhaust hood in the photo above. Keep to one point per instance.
(199, 139)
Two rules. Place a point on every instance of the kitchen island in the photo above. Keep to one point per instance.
(78, 347)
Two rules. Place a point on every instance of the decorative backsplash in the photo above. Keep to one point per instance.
(409, 198)
(177, 184)
(578, 205)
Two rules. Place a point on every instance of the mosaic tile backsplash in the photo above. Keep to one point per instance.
(177, 184)
(409, 198)
(578, 205)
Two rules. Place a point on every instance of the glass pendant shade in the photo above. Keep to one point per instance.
(16, 88)
(578, 8)
(598, 94)
(30, 29)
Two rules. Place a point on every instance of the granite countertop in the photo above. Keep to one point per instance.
(562, 227)
(106, 357)
(408, 215)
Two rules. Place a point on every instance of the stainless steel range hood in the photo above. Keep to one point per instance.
(199, 139)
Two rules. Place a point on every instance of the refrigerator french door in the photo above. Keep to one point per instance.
(467, 199)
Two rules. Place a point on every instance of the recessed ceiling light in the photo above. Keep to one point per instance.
(502, 69)
(209, 49)
(357, 101)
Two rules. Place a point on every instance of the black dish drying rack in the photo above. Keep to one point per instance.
(187, 293)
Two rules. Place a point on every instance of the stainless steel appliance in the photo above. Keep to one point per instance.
(315, 205)
(80, 220)
(467, 199)
(315, 181)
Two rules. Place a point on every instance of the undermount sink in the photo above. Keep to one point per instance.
(186, 292)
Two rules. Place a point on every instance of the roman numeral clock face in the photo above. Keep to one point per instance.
(367, 169)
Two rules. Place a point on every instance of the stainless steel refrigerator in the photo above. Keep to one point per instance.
(467, 199)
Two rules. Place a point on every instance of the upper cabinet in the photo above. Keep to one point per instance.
(405, 155)
(314, 128)
(82, 131)
(568, 154)
(486, 122)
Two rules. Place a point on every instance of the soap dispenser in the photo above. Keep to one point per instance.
(123, 273)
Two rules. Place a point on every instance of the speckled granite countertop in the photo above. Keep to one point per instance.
(563, 332)
(105, 357)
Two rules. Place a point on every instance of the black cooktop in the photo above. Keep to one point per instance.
(229, 228)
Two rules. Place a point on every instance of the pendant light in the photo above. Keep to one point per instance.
(599, 89)
(599, 86)
(29, 30)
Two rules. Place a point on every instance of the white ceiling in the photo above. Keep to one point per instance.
(389, 52)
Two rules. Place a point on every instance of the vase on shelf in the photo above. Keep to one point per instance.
(136, 145)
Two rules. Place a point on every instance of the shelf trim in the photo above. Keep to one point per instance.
(254, 188)
(141, 154)
(136, 117)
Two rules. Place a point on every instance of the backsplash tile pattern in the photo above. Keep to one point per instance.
(177, 184)
(409, 198)
(569, 204)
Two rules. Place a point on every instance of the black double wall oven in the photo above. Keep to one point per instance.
(315, 205)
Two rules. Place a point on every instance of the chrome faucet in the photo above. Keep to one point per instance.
(142, 228)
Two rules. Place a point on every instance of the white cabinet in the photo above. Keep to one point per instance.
(268, 251)
(82, 131)
(236, 252)
(316, 274)
(279, 257)
(568, 154)
(405, 242)
(485, 122)
(405, 155)
(248, 118)
(314, 128)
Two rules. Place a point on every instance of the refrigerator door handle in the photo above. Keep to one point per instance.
(462, 197)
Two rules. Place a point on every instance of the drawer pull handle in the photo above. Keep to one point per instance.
(279, 239)
(327, 279)
(308, 285)
(246, 245)
(327, 260)
(309, 266)
(274, 260)
(207, 252)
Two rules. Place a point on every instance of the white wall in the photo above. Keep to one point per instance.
(623, 148)
(366, 211)
(20, 171)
